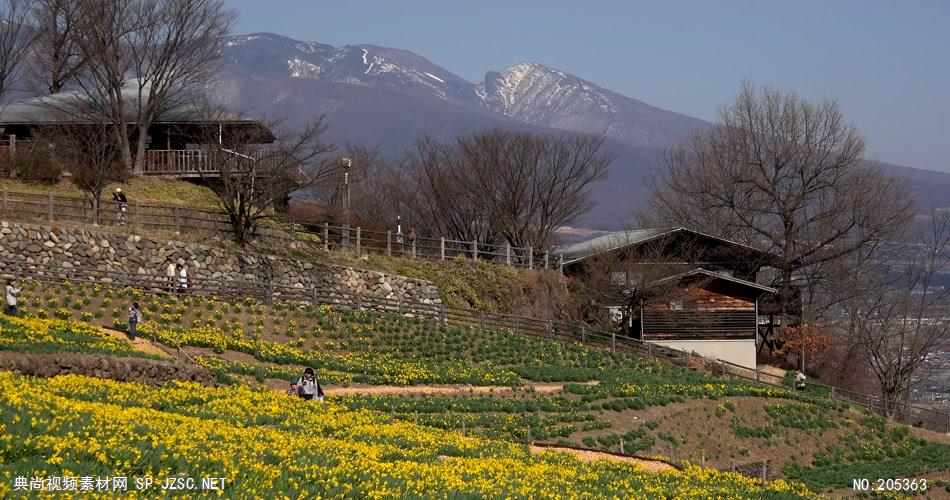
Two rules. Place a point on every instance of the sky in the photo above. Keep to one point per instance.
(886, 62)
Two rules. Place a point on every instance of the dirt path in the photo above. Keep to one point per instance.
(395, 390)
(385, 390)
(590, 456)
(139, 343)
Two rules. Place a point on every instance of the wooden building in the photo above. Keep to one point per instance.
(677, 287)
(709, 313)
(176, 141)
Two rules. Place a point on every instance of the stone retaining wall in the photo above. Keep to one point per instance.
(120, 252)
(146, 371)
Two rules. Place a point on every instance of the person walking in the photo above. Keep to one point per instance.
(308, 387)
(399, 238)
(12, 292)
(183, 281)
(135, 317)
(411, 238)
(171, 274)
(123, 206)
(800, 380)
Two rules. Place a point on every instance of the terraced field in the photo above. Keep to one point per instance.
(495, 388)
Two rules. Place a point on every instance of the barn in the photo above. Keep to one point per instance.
(706, 312)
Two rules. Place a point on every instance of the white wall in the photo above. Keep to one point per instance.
(740, 352)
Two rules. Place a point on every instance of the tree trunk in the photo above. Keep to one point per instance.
(138, 161)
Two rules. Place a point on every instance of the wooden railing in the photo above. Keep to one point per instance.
(269, 292)
(194, 162)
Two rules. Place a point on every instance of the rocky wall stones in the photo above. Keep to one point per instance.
(136, 254)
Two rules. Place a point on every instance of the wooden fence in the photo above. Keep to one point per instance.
(269, 292)
(49, 208)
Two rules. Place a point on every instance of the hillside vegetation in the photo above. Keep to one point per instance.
(591, 398)
(144, 190)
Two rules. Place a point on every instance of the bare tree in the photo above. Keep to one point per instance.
(900, 314)
(252, 179)
(16, 37)
(56, 58)
(161, 52)
(499, 186)
(787, 175)
(617, 282)
(92, 158)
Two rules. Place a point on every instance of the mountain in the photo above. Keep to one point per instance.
(388, 98)
(532, 93)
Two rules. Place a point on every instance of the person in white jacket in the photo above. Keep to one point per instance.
(183, 279)
(12, 292)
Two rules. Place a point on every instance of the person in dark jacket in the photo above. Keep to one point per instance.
(135, 317)
(122, 203)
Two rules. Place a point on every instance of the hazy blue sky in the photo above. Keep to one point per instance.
(888, 63)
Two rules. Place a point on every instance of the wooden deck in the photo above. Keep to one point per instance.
(190, 163)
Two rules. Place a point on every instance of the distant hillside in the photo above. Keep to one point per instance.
(389, 98)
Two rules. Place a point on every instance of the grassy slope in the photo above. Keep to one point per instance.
(145, 190)
(654, 408)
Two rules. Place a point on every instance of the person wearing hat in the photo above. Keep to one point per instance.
(123, 203)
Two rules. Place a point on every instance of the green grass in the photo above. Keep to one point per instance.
(144, 190)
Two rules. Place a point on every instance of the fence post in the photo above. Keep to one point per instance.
(358, 242)
(621, 447)
(613, 341)
(138, 221)
(326, 236)
(442, 248)
(649, 349)
(95, 212)
(765, 470)
(722, 365)
(832, 393)
(757, 375)
(359, 302)
(413, 249)
(51, 206)
(507, 251)
(530, 258)
(442, 313)
(177, 221)
(687, 359)
(583, 334)
(475, 250)
(560, 263)
(313, 295)
(389, 243)
(398, 306)
(481, 320)
(545, 260)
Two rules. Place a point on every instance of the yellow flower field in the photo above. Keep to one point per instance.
(268, 445)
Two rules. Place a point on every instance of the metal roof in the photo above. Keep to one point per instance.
(715, 276)
(74, 107)
(621, 239)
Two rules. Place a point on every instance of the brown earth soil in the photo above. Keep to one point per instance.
(125, 369)
(590, 456)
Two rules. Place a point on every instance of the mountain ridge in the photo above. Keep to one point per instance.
(388, 97)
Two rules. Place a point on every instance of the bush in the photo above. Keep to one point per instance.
(33, 164)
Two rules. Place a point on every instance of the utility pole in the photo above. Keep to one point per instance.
(347, 164)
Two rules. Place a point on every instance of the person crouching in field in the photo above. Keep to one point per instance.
(800, 380)
(308, 387)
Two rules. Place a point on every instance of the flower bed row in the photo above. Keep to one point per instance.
(269, 445)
